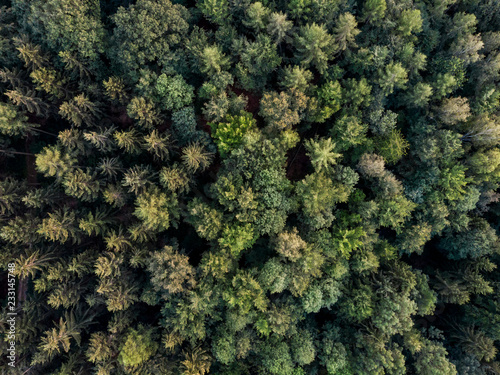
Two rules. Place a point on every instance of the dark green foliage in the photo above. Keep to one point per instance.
(241, 187)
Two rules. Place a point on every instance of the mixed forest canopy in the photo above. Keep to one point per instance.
(238, 187)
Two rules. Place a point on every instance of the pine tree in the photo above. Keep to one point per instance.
(157, 144)
(128, 140)
(196, 362)
(102, 138)
(137, 178)
(110, 167)
(115, 89)
(321, 152)
(54, 162)
(171, 272)
(50, 81)
(96, 223)
(345, 32)
(80, 110)
(175, 179)
(155, 209)
(13, 123)
(314, 46)
(144, 112)
(73, 142)
(30, 53)
(74, 65)
(28, 100)
(278, 26)
(83, 185)
(60, 226)
(11, 192)
(196, 158)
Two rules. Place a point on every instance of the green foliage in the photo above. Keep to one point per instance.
(229, 134)
(314, 46)
(138, 347)
(53, 162)
(12, 122)
(394, 76)
(329, 98)
(283, 110)
(349, 132)
(155, 209)
(478, 240)
(174, 93)
(69, 26)
(322, 153)
(171, 272)
(392, 147)
(146, 31)
(351, 209)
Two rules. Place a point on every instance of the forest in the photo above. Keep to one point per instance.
(240, 187)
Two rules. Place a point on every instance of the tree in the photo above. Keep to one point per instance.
(478, 240)
(467, 48)
(392, 147)
(314, 46)
(144, 112)
(302, 348)
(217, 11)
(206, 220)
(410, 21)
(356, 93)
(393, 77)
(258, 59)
(483, 130)
(157, 144)
(13, 123)
(81, 184)
(372, 165)
(345, 31)
(29, 101)
(195, 158)
(256, 17)
(155, 209)
(146, 32)
(228, 135)
(329, 99)
(53, 162)
(432, 360)
(476, 343)
(278, 26)
(80, 110)
(115, 89)
(50, 81)
(374, 10)
(349, 132)
(318, 195)
(173, 92)
(137, 178)
(60, 226)
(138, 347)
(196, 362)
(321, 153)
(296, 78)
(283, 110)
(171, 272)
(419, 95)
(486, 165)
(213, 61)
(453, 110)
(128, 140)
(69, 26)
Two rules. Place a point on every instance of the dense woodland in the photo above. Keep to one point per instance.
(238, 187)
